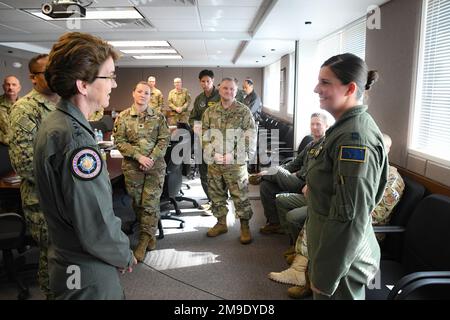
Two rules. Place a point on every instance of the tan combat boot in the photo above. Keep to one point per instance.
(300, 292)
(141, 249)
(219, 228)
(246, 236)
(295, 275)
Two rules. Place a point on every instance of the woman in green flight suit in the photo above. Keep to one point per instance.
(346, 179)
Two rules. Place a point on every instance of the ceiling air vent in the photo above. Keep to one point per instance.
(127, 24)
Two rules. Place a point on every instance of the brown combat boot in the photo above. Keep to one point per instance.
(141, 249)
(219, 228)
(246, 236)
(300, 292)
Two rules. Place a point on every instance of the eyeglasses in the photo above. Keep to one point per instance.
(111, 77)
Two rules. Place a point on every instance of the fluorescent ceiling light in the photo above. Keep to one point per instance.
(134, 51)
(96, 14)
(154, 57)
(139, 43)
(26, 46)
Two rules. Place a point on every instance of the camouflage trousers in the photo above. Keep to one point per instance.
(37, 226)
(292, 212)
(145, 189)
(229, 178)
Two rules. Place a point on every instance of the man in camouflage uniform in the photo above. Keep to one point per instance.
(11, 87)
(179, 101)
(210, 96)
(157, 98)
(26, 118)
(229, 140)
(142, 136)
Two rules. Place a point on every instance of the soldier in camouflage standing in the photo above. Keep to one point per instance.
(142, 136)
(157, 98)
(229, 140)
(179, 101)
(11, 87)
(26, 118)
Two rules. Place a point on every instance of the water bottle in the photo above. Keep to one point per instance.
(96, 135)
(100, 135)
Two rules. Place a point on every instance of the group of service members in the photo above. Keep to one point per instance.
(67, 195)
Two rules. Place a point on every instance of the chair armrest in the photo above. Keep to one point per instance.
(388, 229)
(411, 282)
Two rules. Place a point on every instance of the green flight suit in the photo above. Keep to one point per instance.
(5, 108)
(201, 103)
(26, 117)
(346, 179)
(156, 99)
(179, 99)
(230, 130)
(147, 134)
(76, 196)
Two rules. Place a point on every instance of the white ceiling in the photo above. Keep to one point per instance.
(205, 32)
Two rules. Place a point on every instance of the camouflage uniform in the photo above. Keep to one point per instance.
(201, 103)
(97, 115)
(179, 99)
(229, 177)
(5, 107)
(147, 134)
(240, 95)
(346, 179)
(156, 99)
(76, 197)
(26, 118)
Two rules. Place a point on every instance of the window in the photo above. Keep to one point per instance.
(351, 38)
(431, 116)
(272, 86)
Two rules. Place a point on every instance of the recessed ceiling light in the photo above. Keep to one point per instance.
(308, 22)
(139, 43)
(158, 57)
(95, 13)
(272, 49)
(139, 51)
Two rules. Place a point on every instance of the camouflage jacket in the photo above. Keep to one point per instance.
(230, 130)
(179, 99)
(5, 108)
(144, 133)
(156, 99)
(381, 215)
(25, 119)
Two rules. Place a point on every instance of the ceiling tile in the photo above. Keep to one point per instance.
(230, 3)
(226, 25)
(243, 13)
(176, 25)
(169, 13)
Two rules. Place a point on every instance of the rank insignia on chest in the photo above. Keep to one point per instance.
(353, 153)
(86, 163)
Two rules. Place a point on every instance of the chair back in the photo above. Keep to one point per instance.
(5, 162)
(12, 231)
(427, 236)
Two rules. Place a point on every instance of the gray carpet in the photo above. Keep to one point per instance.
(188, 265)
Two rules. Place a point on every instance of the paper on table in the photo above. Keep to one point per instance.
(115, 154)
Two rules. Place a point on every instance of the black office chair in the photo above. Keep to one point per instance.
(9, 197)
(392, 245)
(12, 236)
(424, 271)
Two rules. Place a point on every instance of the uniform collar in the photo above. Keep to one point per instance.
(213, 93)
(232, 107)
(74, 112)
(135, 112)
(39, 97)
(350, 113)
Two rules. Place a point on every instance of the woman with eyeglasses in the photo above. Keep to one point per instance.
(87, 249)
(346, 179)
(142, 136)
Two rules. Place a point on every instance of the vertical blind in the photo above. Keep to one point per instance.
(431, 130)
(350, 39)
(271, 92)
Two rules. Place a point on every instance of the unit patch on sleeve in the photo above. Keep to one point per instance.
(86, 163)
(352, 153)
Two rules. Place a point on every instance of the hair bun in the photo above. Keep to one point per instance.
(372, 77)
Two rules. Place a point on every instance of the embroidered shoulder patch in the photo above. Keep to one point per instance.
(353, 153)
(86, 163)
